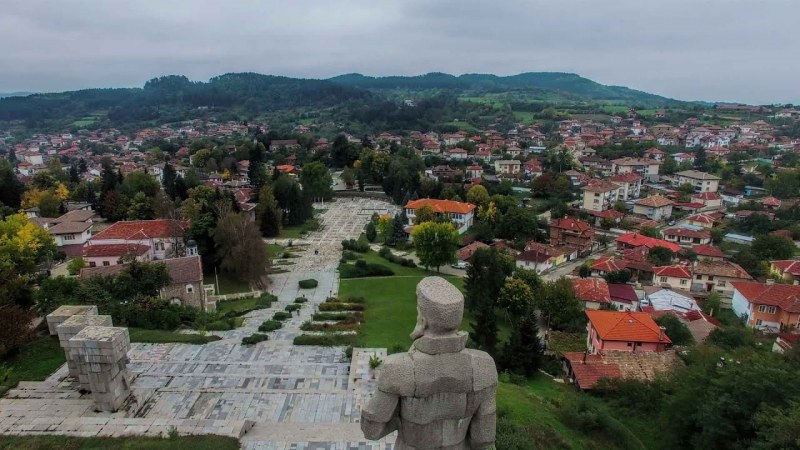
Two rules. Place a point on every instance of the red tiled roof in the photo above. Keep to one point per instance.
(600, 186)
(187, 269)
(590, 369)
(721, 269)
(606, 264)
(466, 252)
(143, 229)
(629, 177)
(691, 205)
(100, 250)
(771, 201)
(441, 206)
(568, 223)
(708, 250)
(637, 240)
(676, 271)
(790, 266)
(622, 293)
(607, 214)
(707, 196)
(784, 296)
(626, 326)
(702, 218)
(656, 201)
(591, 289)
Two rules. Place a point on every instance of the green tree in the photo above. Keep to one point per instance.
(348, 176)
(370, 232)
(49, 205)
(559, 305)
(618, 276)
(168, 177)
(268, 213)
(140, 208)
(11, 188)
(424, 214)
(478, 195)
(650, 232)
(768, 247)
(75, 265)
(676, 330)
(486, 276)
(296, 204)
(316, 181)
(435, 243)
(23, 245)
(240, 248)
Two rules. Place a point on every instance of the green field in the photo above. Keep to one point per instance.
(35, 362)
(227, 284)
(296, 231)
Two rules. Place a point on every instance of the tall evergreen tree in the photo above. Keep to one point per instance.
(486, 276)
(268, 213)
(168, 177)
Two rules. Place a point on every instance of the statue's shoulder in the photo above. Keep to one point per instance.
(484, 371)
(397, 375)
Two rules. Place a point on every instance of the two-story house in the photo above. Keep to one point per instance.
(656, 207)
(630, 185)
(645, 167)
(788, 269)
(676, 276)
(769, 307)
(163, 236)
(717, 276)
(572, 233)
(461, 214)
(702, 182)
(624, 331)
(507, 167)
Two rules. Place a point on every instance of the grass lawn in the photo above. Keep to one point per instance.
(227, 284)
(295, 231)
(163, 336)
(372, 257)
(239, 306)
(275, 250)
(139, 443)
(35, 362)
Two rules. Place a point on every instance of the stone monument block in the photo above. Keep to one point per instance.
(64, 312)
(102, 353)
(67, 330)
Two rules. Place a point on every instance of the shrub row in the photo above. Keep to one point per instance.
(391, 257)
(356, 316)
(336, 306)
(338, 326)
(300, 300)
(348, 299)
(308, 284)
(347, 255)
(269, 325)
(326, 339)
(361, 269)
(281, 315)
(293, 307)
(355, 245)
(254, 339)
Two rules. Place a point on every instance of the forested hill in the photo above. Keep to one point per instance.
(568, 85)
(172, 97)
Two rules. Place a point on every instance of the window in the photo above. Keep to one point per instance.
(759, 322)
(106, 263)
(772, 310)
(711, 278)
(721, 283)
(68, 237)
(699, 277)
(630, 344)
(189, 288)
(762, 308)
(683, 282)
(92, 264)
(663, 279)
(638, 344)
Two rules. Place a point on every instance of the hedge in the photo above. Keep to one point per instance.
(308, 284)
(281, 315)
(300, 300)
(293, 307)
(269, 325)
(336, 306)
(355, 245)
(325, 339)
(339, 316)
(338, 326)
(361, 270)
(387, 254)
(254, 339)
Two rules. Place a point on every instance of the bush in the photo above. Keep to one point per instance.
(327, 340)
(300, 300)
(339, 316)
(512, 437)
(374, 362)
(348, 352)
(270, 325)
(308, 284)
(292, 308)
(15, 330)
(222, 324)
(361, 269)
(265, 301)
(254, 339)
(336, 306)
(387, 254)
(347, 255)
(355, 245)
(281, 315)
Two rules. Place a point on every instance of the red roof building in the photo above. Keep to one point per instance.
(709, 252)
(592, 291)
(572, 233)
(633, 240)
(768, 307)
(625, 331)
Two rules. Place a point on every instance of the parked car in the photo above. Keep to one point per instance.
(459, 265)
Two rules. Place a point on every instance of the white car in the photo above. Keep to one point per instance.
(459, 265)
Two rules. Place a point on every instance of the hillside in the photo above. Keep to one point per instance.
(568, 85)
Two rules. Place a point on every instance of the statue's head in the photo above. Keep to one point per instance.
(440, 308)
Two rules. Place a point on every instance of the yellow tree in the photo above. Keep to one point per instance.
(23, 245)
(61, 192)
(31, 198)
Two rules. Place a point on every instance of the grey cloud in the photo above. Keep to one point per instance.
(732, 50)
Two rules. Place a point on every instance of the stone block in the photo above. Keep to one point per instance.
(102, 354)
(454, 431)
(64, 312)
(484, 372)
(434, 407)
(381, 407)
(434, 345)
(449, 372)
(72, 326)
(441, 303)
(421, 435)
(397, 375)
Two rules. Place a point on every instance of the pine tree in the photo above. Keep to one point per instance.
(168, 179)
(522, 353)
(268, 213)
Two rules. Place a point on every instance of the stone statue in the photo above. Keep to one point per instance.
(438, 395)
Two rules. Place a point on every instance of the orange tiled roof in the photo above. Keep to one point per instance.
(626, 326)
(441, 206)
(655, 201)
(143, 229)
(790, 266)
(591, 289)
(637, 240)
(676, 271)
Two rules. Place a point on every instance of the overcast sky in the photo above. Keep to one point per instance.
(716, 50)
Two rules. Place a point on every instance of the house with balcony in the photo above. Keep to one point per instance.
(702, 182)
(569, 232)
(600, 195)
(630, 185)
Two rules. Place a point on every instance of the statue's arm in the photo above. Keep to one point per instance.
(483, 426)
(381, 415)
